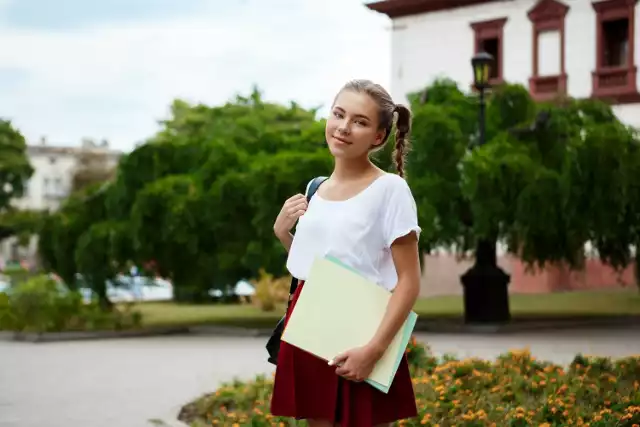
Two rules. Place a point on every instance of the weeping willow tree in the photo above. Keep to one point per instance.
(551, 178)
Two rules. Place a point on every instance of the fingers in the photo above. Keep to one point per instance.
(297, 206)
(342, 371)
(348, 374)
(339, 359)
(295, 198)
(297, 210)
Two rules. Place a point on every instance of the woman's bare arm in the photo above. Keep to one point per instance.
(405, 254)
(286, 239)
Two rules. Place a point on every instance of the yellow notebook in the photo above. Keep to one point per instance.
(339, 309)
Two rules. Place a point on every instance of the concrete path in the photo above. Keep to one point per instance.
(126, 383)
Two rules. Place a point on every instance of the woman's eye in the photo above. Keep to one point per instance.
(337, 115)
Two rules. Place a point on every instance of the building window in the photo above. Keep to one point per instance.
(488, 38)
(615, 36)
(615, 75)
(548, 77)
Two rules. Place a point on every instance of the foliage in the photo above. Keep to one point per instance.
(7, 319)
(271, 292)
(514, 390)
(542, 183)
(20, 223)
(17, 274)
(75, 241)
(15, 168)
(15, 171)
(43, 305)
(198, 199)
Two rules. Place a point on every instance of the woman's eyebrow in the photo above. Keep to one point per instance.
(362, 116)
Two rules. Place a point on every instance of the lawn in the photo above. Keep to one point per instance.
(569, 304)
(586, 303)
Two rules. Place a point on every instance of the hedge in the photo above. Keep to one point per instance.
(514, 390)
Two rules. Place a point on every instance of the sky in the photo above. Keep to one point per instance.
(109, 69)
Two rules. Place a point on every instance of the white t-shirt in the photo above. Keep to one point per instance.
(358, 231)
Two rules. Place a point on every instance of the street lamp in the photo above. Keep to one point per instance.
(481, 64)
(486, 296)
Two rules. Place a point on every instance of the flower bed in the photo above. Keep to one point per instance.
(515, 390)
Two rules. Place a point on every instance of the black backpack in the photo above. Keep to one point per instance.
(273, 345)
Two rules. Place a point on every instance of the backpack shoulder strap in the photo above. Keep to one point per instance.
(313, 185)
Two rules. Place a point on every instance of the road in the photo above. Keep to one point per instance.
(126, 383)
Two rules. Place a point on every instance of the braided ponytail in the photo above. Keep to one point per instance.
(403, 127)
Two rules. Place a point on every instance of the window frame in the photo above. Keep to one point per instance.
(491, 29)
(604, 78)
(548, 15)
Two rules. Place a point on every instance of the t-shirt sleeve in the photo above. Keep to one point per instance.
(400, 214)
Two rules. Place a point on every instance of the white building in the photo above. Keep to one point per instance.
(51, 182)
(582, 48)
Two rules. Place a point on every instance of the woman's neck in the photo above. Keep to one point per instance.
(352, 169)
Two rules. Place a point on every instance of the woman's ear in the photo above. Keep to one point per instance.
(380, 137)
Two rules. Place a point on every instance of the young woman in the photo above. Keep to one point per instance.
(366, 218)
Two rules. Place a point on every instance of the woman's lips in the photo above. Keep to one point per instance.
(342, 140)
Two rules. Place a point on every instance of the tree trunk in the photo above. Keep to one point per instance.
(485, 286)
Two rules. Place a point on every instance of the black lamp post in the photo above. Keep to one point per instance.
(481, 64)
(485, 284)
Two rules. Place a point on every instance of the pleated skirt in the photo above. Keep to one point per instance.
(306, 387)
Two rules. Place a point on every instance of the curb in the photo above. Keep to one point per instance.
(229, 331)
(170, 420)
(449, 326)
(34, 337)
(526, 325)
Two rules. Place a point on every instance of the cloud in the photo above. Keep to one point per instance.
(114, 77)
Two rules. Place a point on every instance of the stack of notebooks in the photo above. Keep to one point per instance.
(339, 309)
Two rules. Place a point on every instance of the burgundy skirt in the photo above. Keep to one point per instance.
(306, 387)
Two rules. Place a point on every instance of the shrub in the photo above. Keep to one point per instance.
(41, 304)
(515, 390)
(17, 274)
(6, 316)
(271, 292)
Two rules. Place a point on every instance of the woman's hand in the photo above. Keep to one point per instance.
(291, 210)
(358, 363)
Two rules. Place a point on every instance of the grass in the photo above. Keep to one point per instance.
(566, 304)
(561, 304)
(172, 314)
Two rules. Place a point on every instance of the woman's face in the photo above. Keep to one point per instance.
(352, 126)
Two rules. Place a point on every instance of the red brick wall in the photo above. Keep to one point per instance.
(595, 275)
(441, 276)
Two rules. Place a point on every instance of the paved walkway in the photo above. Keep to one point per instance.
(126, 383)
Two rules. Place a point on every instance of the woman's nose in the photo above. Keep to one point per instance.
(343, 128)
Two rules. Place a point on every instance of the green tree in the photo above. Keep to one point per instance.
(15, 168)
(198, 198)
(15, 171)
(77, 240)
(542, 184)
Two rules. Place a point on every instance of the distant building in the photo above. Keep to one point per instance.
(51, 183)
(580, 48)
